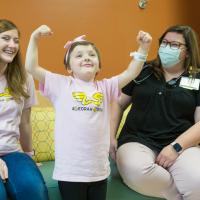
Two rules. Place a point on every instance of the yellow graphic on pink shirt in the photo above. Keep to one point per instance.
(6, 93)
(96, 99)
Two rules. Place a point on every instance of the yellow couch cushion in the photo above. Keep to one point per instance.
(42, 119)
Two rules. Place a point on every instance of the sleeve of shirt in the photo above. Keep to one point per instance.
(32, 100)
(128, 88)
(52, 86)
(198, 93)
(145, 73)
(112, 88)
(198, 97)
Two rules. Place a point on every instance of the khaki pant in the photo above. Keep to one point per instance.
(137, 167)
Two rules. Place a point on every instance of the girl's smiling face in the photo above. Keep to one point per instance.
(84, 62)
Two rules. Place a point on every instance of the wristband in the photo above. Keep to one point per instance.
(30, 153)
(139, 56)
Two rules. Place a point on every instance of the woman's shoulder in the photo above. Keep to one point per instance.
(147, 70)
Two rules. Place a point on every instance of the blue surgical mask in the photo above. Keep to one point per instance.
(169, 57)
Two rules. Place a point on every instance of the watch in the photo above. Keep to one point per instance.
(177, 147)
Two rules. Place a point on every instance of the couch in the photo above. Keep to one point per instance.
(43, 142)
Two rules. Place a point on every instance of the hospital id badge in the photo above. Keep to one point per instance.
(189, 83)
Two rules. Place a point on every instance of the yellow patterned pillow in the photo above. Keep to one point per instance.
(42, 119)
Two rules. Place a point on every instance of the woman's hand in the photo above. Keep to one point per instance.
(167, 157)
(3, 170)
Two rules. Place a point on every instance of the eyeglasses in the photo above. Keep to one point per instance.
(173, 45)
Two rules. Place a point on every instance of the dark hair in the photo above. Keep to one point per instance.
(192, 61)
(15, 72)
(83, 43)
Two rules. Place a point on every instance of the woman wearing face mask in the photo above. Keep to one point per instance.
(158, 153)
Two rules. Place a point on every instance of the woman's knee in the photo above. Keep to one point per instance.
(29, 190)
(29, 181)
(186, 173)
(189, 187)
(35, 185)
(138, 170)
(133, 162)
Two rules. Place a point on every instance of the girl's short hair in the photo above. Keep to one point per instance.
(83, 43)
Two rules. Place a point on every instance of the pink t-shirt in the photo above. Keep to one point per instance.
(82, 126)
(10, 115)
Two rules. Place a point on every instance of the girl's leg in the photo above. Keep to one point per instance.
(3, 195)
(186, 173)
(24, 178)
(73, 190)
(97, 190)
(136, 164)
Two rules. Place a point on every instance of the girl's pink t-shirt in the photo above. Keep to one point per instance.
(82, 126)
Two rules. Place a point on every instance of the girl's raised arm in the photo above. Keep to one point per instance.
(144, 40)
(31, 62)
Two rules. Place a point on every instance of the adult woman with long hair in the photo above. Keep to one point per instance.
(20, 178)
(158, 153)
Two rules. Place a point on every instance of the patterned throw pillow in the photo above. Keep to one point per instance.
(42, 119)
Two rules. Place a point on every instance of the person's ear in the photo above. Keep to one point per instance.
(187, 54)
(98, 70)
(69, 70)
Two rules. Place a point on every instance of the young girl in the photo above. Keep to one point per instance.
(82, 104)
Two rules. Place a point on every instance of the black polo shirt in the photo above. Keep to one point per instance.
(160, 111)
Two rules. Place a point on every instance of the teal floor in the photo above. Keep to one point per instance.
(116, 189)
